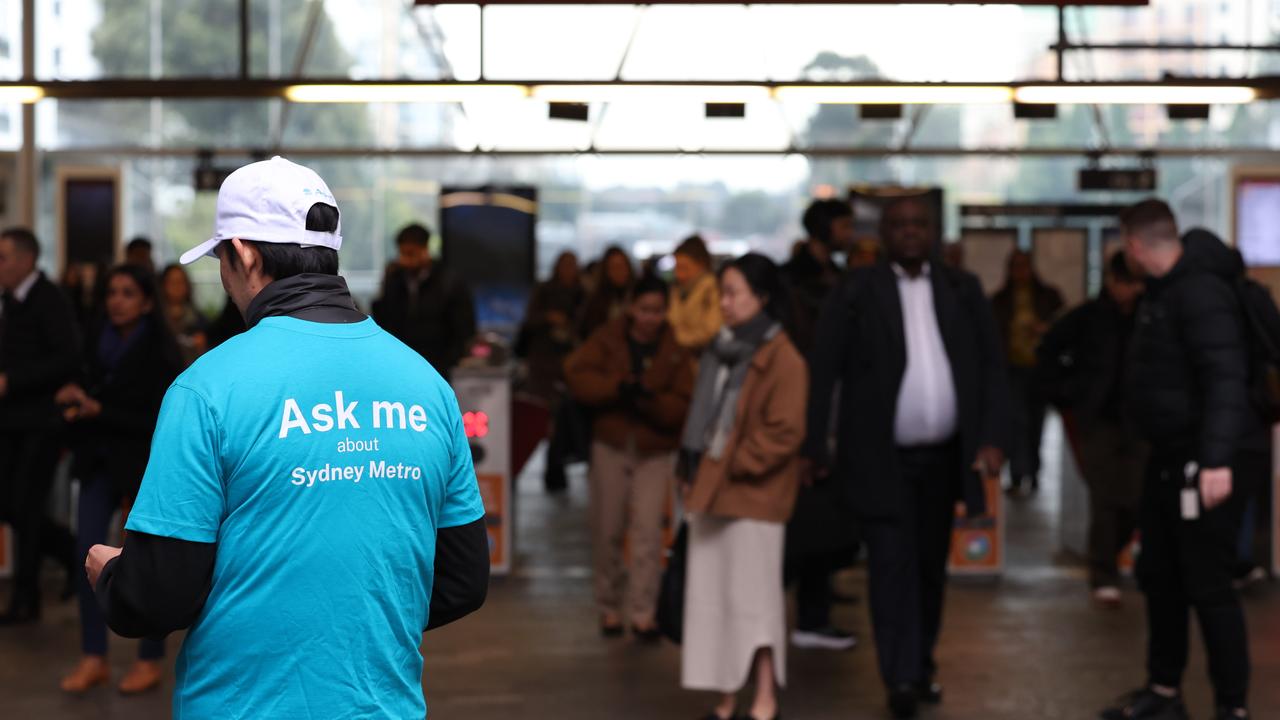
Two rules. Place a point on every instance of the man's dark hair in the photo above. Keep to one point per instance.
(649, 283)
(819, 216)
(694, 248)
(23, 239)
(282, 260)
(1150, 214)
(138, 243)
(1118, 268)
(414, 234)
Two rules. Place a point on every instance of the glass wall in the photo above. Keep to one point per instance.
(588, 201)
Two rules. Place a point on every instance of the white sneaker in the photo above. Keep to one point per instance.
(1107, 595)
(827, 638)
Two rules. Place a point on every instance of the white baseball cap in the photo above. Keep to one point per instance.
(268, 202)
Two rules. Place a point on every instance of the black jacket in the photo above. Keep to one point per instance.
(543, 344)
(39, 353)
(434, 315)
(117, 443)
(863, 349)
(1190, 366)
(1082, 360)
(809, 283)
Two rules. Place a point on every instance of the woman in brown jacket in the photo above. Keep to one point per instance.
(638, 380)
(739, 450)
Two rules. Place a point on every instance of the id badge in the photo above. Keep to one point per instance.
(1190, 503)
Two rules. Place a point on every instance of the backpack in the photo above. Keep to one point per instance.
(1262, 332)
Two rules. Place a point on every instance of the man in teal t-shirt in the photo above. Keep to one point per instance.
(310, 507)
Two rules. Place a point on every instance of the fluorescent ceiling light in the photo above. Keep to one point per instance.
(1134, 95)
(21, 93)
(895, 94)
(391, 93)
(651, 93)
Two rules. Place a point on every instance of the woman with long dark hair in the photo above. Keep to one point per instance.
(608, 300)
(1025, 308)
(549, 333)
(740, 469)
(130, 361)
(190, 328)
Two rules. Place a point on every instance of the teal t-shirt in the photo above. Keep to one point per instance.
(322, 459)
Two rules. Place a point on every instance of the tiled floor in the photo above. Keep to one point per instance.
(1029, 647)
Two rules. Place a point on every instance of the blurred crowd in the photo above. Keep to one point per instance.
(840, 407)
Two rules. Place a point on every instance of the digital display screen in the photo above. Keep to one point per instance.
(1258, 221)
(475, 424)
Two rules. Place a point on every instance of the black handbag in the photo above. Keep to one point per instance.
(671, 595)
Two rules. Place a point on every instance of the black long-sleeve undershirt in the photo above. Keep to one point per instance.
(462, 573)
(158, 585)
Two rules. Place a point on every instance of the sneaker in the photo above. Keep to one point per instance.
(1249, 576)
(1224, 713)
(1108, 596)
(827, 638)
(1146, 704)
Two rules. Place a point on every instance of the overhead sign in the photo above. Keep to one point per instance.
(1136, 180)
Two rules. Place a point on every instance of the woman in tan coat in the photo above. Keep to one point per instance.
(740, 469)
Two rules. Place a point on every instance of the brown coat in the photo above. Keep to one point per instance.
(596, 369)
(758, 476)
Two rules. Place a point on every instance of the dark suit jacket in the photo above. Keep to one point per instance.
(39, 353)
(117, 443)
(437, 322)
(862, 346)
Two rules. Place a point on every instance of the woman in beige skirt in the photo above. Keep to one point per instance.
(740, 472)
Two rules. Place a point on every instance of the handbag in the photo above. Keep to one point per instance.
(670, 616)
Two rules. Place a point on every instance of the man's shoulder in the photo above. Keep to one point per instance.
(960, 278)
(45, 293)
(1202, 290)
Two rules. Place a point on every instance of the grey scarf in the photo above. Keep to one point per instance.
(722, 370)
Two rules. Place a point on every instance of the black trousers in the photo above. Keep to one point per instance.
(907, 564)
(1111, 527)
(1187, 564)
(1028, 424)
(27, 463)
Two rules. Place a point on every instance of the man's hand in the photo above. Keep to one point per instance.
(1215, 486)
(99, 556)
(989, 462)
(69, 394)
(4, 384)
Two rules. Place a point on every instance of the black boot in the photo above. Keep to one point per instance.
(904, 702)
(1146, 704)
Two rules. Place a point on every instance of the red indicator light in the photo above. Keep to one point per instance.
(475, 424)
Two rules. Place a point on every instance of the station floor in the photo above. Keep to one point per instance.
(1028, 647)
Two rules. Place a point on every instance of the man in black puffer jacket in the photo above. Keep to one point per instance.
(1189, 398)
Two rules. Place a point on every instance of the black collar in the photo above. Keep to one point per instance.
(310, 296)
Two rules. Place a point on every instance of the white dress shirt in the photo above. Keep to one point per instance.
(927, 399)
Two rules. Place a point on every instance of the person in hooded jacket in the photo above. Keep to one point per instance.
(1189, 397)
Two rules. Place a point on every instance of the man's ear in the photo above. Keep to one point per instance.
(250, 260)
